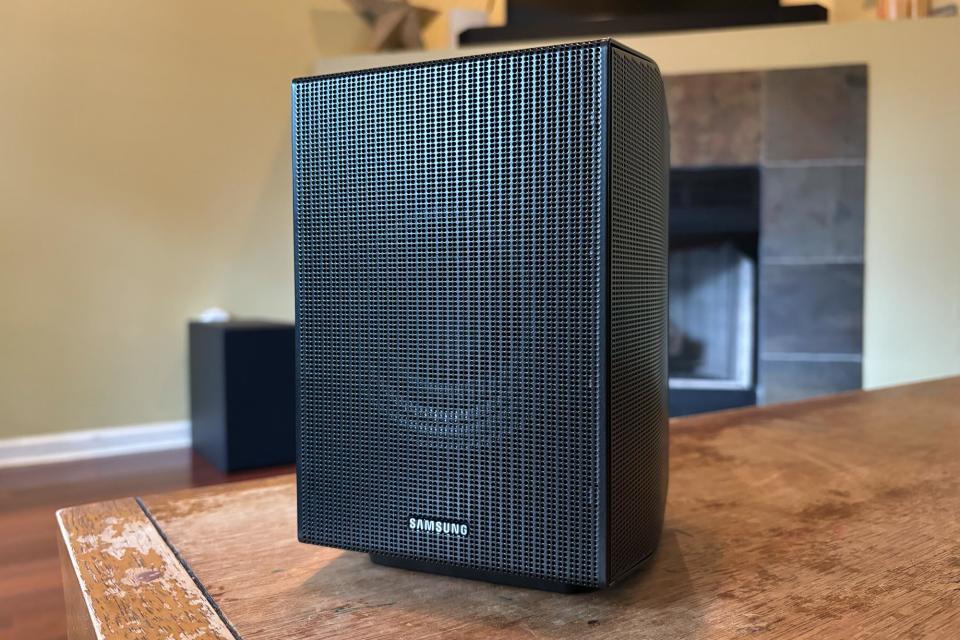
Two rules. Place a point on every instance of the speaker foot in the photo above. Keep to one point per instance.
(477, 574)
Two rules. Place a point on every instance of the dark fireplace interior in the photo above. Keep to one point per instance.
(714, 240)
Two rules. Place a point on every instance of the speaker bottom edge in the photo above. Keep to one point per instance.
(426, 566)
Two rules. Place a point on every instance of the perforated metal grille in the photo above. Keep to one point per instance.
(639, 146)
(447, 252)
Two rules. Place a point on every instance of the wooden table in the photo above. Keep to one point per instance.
(831, 518)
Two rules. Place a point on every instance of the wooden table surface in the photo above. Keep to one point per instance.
(832, 518)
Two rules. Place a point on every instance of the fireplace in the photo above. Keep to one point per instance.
(789, 145)
(714, 239)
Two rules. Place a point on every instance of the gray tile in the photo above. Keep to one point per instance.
(784, 381)
(715, 119)
(815, 114)
(811, 308)
(812, 212)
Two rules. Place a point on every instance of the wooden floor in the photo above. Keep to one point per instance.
(31, 599)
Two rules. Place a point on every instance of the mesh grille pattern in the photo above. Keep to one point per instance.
(447, 248)
(639, 145)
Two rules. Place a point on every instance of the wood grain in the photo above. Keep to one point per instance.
(79, 621)
(128, 579)
(31, 588)
(831, 518)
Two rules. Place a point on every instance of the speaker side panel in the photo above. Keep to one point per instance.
(639, 174)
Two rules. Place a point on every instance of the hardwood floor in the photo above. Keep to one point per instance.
(31, 599)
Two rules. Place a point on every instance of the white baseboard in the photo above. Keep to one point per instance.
(94, 443)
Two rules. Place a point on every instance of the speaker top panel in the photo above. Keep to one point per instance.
(600, 42)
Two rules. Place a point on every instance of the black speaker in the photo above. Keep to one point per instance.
(481, 291)
(242, 393)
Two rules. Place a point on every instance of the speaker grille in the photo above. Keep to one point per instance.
(448, 274)
(639, 144)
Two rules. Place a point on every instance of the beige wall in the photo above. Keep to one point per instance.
(144, 168)
(144, 173)
(912, 286)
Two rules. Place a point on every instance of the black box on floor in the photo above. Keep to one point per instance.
(242, 392)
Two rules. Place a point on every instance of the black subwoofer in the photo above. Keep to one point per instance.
(481, 256)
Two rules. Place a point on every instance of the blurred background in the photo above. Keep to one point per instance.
(145, 173)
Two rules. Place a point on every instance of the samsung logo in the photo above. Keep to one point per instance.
(443, 527)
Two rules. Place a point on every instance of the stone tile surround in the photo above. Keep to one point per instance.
(806, 129)
(714, 119)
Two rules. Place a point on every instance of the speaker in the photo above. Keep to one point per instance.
(481, 303)
(242, 392)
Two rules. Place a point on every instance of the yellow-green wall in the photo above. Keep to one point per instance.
(144, 175)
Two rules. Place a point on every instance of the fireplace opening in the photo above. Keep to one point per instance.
(714, 240)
